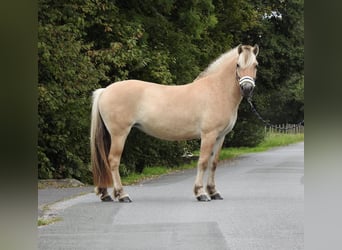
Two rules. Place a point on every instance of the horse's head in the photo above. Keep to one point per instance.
(246, 68)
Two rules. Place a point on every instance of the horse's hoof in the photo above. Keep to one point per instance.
(106, 198)
(203, 197)
(216, 196)
(125, 199)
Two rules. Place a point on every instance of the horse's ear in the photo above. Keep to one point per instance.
(256, 49)
(240, 48)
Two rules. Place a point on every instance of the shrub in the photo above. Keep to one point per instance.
(248, 130)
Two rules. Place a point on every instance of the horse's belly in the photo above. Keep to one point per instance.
(170, 129)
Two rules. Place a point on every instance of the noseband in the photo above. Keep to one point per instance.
(246, 79)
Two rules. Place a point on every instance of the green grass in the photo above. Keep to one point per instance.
(278, 139)
(271, 141)
(44, 222)
(147, 173)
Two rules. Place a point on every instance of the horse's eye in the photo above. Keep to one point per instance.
(238, 65)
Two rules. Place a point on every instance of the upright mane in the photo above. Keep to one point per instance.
(218, 63)
(246, 59)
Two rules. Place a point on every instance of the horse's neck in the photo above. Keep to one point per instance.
(229, 85)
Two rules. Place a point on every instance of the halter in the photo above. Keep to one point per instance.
(246, 79)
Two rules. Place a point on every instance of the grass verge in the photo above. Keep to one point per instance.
(44, 222)
(270, 141)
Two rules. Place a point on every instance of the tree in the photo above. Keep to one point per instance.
(84, 45)
(66, 78)
(282, 60)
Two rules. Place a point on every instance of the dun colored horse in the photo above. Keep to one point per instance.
(206, 108)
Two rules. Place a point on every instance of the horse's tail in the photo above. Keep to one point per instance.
(99, 146)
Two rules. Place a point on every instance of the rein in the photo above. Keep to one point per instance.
(268, 124)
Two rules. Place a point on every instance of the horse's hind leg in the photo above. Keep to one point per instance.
(211, 187)
(114, 157)
(104, 196)
(206, 153)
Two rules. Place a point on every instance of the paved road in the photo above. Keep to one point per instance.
(263, 208)
(51, 195)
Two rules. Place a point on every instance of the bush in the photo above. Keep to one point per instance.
(64, 90)
(248, 130)
(142, 151)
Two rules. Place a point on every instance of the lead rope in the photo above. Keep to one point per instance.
(249, 100)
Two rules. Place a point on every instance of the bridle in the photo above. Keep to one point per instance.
(245, 79)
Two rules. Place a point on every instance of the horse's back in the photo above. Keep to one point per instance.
(127, 89)
(133, 94)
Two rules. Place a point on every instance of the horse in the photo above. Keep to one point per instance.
(205, 108)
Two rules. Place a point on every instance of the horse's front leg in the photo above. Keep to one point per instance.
(211, 187)
(206, 154)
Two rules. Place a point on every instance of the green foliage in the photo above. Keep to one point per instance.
(84, 45)
(142, 150)
(66, 79)
(282, 61)
(248, 130)
(245, 133)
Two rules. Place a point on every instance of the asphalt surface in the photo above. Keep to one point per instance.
(49, 196)
(263, 208)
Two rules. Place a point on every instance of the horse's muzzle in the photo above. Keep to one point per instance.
(247, 89)
(247, 86)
